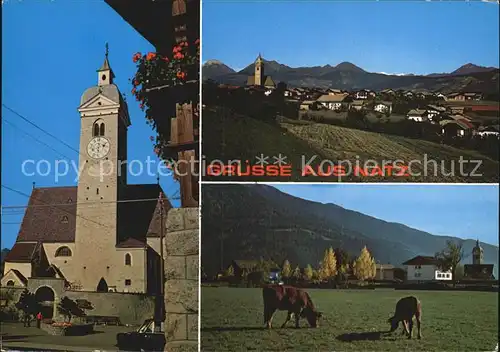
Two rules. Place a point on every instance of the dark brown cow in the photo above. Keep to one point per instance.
(296, 301)
(406, 308)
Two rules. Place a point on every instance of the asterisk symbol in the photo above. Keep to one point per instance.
(262, 160)
(279, 160)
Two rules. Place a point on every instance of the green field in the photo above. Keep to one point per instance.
(237, 137)
(355, 320)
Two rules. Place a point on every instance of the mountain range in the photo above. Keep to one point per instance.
(348, 76)
(259, 221)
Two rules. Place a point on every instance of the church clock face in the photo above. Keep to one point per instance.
(98, 148)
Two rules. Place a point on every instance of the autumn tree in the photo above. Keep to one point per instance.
(328, 266)
(449, 258)
(296, 273)
(308, 272)
(286, 272)
(364, 266)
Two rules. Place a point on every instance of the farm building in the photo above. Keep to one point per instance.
(424, 268)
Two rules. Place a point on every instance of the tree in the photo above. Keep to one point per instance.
(308, 272)
(28, 305)
(69, 308)
(84, 305)
(342, 257)
(286, 272)
(364, 266)
(296, 273)
(450, 257)
(230, 271)
(328, 266)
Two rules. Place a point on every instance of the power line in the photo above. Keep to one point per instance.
(35, 138)
(24, 194)
(38, 127)
(111, 202)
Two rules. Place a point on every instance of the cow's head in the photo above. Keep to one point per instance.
(394, 323)
(312, 317)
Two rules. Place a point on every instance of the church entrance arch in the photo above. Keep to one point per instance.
(102, 286)
(45, 297)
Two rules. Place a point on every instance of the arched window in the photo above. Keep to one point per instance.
(101, 129)
(95, 131)
(63, 252)
(10, 283)
(128, 259)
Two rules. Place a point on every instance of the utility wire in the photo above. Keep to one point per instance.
(26, 195)
(35, 138)
(111, 202)
(38, 127)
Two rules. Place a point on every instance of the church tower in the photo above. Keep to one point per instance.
(259, 71)
(477, 254)
(103, 145)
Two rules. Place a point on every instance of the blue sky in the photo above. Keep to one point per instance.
(51, 51)
(464, 211)
(388, 36)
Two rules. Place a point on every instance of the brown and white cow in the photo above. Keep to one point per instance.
(296, 301)
(406, 308)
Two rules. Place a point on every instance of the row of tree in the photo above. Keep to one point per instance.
(335, 265)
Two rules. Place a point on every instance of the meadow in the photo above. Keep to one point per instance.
(354, 320)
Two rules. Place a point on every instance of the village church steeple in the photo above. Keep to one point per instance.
(259, 71)
(105, 73)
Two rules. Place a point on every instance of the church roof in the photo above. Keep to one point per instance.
(45, 223)
(21, 252)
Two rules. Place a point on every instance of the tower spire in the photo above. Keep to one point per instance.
(106, 74)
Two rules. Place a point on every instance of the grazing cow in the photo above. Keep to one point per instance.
(406, 308)
(296, 301)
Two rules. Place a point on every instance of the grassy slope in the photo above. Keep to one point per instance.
(244, 138)
(232, 320)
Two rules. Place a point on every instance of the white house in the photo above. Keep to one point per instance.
(332, 102)
(362, 94)
(484, 131)
(424, 268)
(417, 115)
(383, 107)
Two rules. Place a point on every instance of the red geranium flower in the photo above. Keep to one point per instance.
(150, 56)
(136, 82)
(133, 90)
(197, 41)
(136, 57)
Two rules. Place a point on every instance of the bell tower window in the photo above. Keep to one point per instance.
(98, 129)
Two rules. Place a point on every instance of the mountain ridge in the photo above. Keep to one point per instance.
(346, 75)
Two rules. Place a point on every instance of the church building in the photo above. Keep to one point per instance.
(259, 78)
(103, 234)
(478, 270)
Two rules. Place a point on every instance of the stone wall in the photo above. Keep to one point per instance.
(131, 308)
(181, 279)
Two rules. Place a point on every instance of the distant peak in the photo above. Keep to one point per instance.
(348, 66)
(213, 62)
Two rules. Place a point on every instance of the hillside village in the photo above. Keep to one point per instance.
(456, 114)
